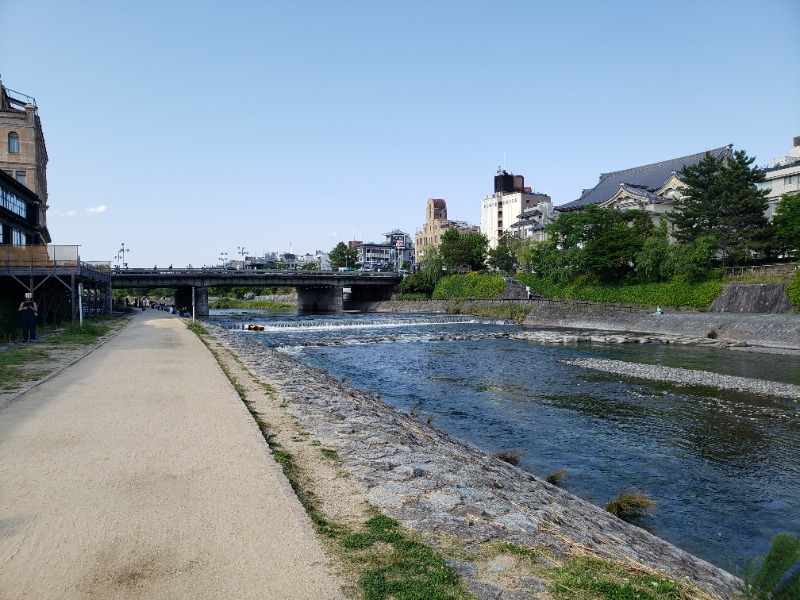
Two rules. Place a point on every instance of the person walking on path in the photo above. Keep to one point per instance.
(29, 311)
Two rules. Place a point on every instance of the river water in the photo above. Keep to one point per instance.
(722, 466)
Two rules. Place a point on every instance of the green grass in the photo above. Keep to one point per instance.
(73, 333)
(590, 578)
(252, 304)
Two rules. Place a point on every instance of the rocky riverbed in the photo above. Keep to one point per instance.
(443, 487)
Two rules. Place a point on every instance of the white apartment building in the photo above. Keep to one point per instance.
(783, 177)
(513, 207)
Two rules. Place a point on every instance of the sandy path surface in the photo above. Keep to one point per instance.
(138, 473)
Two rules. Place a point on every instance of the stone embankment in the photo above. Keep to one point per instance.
(777, 331)
(443, 487)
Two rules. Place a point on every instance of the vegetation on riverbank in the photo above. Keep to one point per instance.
(698, 295)
(27, 363)
(249, 304)
(793, 291)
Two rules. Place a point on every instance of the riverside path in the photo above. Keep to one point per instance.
(137, 472)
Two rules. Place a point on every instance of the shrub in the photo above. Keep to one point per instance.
(471, 285)
(793, 291)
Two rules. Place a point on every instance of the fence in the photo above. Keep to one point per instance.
(16, 258)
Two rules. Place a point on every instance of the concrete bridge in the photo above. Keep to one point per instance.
(317, 291)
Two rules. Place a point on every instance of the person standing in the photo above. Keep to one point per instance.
(29, 311)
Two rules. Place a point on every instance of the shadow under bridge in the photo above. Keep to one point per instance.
(317, 291)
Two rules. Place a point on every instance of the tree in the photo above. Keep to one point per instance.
(429, 274)
(601, 243)
(342, 256)
(503, 258)
(721, 200)
(461, 252)
(787, 225)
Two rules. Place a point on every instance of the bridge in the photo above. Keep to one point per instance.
(317, 291)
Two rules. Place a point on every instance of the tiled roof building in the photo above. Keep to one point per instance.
(651, 188)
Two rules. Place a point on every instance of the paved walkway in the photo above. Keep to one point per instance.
(138, 473)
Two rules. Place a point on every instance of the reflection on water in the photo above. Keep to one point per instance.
(723, 466)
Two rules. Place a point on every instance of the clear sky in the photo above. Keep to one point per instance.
(185, 129)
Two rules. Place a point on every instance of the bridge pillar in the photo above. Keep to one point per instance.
(363, 297)
(319, 299)
(183, 299)
(201, 301)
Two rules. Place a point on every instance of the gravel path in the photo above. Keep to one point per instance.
(137, 472)
(689, 377)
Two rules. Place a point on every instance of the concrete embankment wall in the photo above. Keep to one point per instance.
(771, 330)
(753, 298)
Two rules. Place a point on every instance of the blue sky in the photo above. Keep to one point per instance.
(189, 129)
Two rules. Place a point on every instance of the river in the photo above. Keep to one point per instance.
(722, 466)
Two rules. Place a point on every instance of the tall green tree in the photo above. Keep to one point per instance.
(342, 256)
(463, 252)
(721, 200)
(503, 258)
(787, 225)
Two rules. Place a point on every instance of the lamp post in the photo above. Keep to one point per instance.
(223, 257)
(240, 250)
(122, 252)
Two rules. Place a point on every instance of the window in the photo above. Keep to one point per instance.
(22, 177)
(13, 143)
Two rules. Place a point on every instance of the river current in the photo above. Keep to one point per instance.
(722, 466)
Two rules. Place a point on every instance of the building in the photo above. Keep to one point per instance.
(514, 208)
(19, 213)
(783, 177)
(652, 188)
(436, 223)
(23, 154)
(393, 253)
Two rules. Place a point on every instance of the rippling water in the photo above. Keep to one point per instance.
(722, 466)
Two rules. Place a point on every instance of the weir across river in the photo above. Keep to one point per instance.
(317, 291)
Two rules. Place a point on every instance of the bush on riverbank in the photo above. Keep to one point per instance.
(673, 294)
(793, 291)
(476, 284)
(775, 576)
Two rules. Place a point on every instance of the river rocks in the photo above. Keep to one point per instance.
(689, 377)
(435, 483)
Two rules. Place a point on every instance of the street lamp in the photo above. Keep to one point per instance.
(223, 257)
(121, 255)
(240, 250)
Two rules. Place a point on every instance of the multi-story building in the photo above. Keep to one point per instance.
(436, 223)
(396, 250)
(514, 208)
(783, 177)
(23, 155)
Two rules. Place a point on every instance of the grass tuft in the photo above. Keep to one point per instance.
(557, 477)
(511, 458)
(630, 505)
